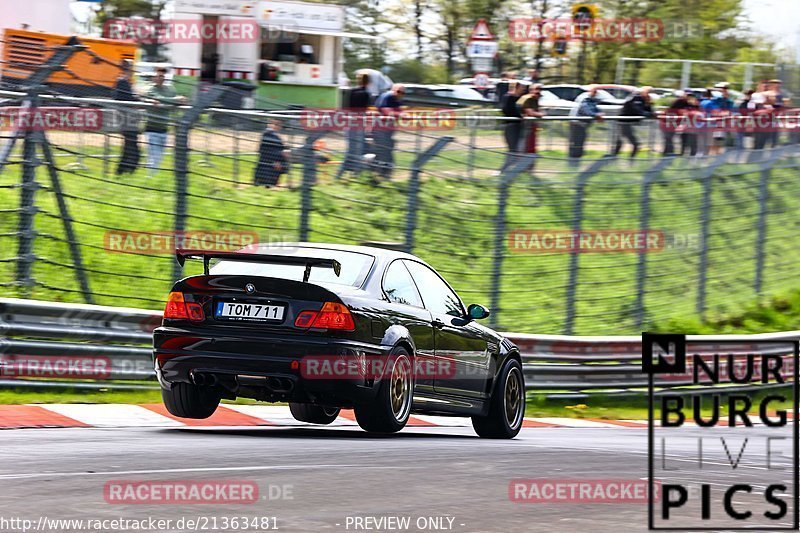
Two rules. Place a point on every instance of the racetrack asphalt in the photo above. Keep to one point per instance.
(324, 479)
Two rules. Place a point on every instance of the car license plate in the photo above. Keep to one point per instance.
(245, 311)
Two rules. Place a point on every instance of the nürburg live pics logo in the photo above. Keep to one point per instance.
(722, 433)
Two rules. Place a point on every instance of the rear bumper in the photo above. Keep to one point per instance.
(242, 365)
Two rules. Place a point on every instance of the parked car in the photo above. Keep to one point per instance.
(443, 96)
(616, 90)
(329, 326)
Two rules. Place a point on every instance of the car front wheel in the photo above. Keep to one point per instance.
(186, 400)
(389, 411)
(507, 407)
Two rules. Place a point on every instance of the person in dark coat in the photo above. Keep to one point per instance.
(510, 109)
(637, 105)
(272, 160)
(123, 90)
(356, 136)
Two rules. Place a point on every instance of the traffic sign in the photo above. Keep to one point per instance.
(481, 80)
(482, 48)
(481, 32)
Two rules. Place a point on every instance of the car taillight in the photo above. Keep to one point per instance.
(331, 316)
(178, 308)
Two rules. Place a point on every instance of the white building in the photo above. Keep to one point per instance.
(296, 55)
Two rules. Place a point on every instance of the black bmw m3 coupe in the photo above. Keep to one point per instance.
(326, 327)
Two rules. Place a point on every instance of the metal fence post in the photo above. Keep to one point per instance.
(707, 179)
(181, 159)
(27, 212)
(761, 224)
(577, 222)
(644, 225)
(308, 156)
(471, 155)
(761, 228)
(236, 150)
(413, 188)
(66, 220)
(513, 166)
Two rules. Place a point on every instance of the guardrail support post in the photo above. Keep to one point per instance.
(644, 226)
(577, 222)
(413, 188)
(308, 155)
(514, 165)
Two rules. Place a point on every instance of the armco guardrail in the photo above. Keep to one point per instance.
(46, 344)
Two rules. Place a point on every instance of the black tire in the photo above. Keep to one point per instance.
(389, 411)
(190, 401)
(505, 416)
(315, 414)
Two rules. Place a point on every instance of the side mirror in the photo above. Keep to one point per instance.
(477, 312)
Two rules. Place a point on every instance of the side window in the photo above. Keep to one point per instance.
(399, 287)
(436, 295)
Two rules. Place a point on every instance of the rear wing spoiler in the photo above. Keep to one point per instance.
(307, 262)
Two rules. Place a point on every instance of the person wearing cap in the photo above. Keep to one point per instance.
(636, 105)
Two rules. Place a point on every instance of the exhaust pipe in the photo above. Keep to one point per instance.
(204, 380)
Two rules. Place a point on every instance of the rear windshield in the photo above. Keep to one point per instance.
(355, 267)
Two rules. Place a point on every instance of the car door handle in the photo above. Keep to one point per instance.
(438, 324)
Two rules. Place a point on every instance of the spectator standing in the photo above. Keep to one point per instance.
(743, 110)
(778, 98)
(636, 105)
(672, 116)
(389, 105)
(272, 162)
(705, 144)
(356, 135)
(163, 97)
(724, 108)
(509, 108)
(123, 91)
(501, 88)
(532, 77)
(587, 106)
(529, 108)
(693, 119)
